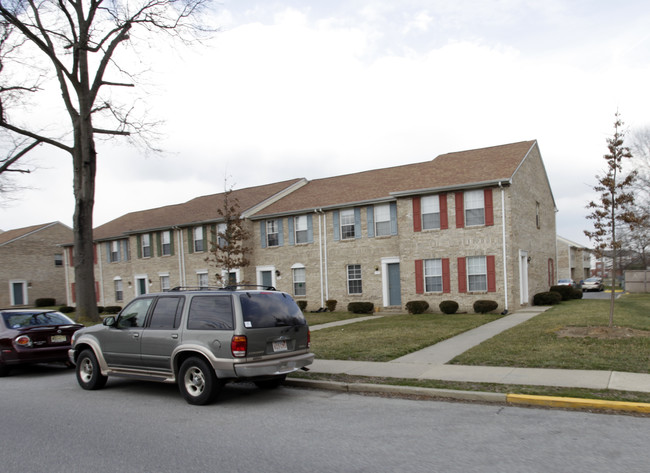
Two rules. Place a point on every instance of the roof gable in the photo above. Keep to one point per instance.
(16, 234)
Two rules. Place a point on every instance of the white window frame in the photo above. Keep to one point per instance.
(166, 243)
(299, 274)
(301, 229)
(430, 206)
(118, 289)
(272, 230)
(202, 278)
(474, 202)
(115, 251)
(164, 282)
(477, 279)
(433, 275)
(382, 220)
(354, 274)
(221, 230)
(145, 245)
(347, 224)
(199, 243)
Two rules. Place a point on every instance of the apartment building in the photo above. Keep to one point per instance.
(573, 260)
(470, 225)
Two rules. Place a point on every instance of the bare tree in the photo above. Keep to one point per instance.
(228, 248)
(616, 204)
(75, 42)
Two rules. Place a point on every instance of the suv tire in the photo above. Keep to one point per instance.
(197, 382)
(89, 375)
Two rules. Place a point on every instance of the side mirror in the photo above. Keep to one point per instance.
(109, 321)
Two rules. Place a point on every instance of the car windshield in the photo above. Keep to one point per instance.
(34, 319)
(270, 309)
(592, 280)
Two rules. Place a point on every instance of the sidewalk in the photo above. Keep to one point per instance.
(430, 363)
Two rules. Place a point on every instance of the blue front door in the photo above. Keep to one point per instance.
(394, 285)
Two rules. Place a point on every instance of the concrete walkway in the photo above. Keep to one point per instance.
(430, 363)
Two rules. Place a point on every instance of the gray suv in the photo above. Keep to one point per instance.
(199, 338)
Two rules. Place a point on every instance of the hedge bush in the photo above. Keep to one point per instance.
(483, 307)
(66, 309)
(302, 305)
(361, 307)
(112, 309)
(567, 292)
(547, 298)
(331, 304)
(448, 307)
(45, 302)
(417, 307)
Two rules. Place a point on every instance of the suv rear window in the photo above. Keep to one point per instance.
(270, 309)
(210, 313)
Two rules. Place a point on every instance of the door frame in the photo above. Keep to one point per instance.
(385, 289)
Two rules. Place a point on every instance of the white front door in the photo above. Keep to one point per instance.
(523, 277)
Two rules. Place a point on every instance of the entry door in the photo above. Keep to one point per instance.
(267, 278)
(394, 285)
(523, 277)
(18, 289)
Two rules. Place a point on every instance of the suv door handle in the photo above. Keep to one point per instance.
(174, 336)
(136, 335)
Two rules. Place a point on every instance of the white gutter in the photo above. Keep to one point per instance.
(181, 256)
(503, 236)
(101, 272)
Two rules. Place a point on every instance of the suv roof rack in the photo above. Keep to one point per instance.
(231, 287)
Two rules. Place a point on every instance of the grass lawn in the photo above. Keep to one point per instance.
(317, 318)
(392, 336)
(535, 344)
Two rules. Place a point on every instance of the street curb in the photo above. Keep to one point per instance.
(391, 389)
(577, 403)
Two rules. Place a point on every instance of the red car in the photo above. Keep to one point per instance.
(34, 336)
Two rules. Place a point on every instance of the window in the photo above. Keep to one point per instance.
(166, 243)
(433, 275)
(222, 241)
(134, 314)
(202, 279)
(115, 252)
(476, 274)
(382, 220)
(474, 208)
(299, 287)
(272, 236)
(430, 212)
(119, 291)
(347, 224)
(164, 282)
(146, 245)
(301, 229)
(166, 314)
(199, 244)
(354, 279)
(210, 313)
(537, 215)
(58, 259)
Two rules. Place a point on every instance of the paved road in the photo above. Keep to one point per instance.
(51, 425)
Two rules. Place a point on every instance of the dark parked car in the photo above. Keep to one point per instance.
(199, 338)
(30, 336)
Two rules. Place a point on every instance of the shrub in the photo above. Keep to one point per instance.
(361, 307)
(483, 307)
(45, 302)
(417, 307)
(577, 294)
(302, 305)
(100, 309)
(565, 291)
(547, 298)
(448, 307)
(66, 309)
(331, 304)
(112, 309)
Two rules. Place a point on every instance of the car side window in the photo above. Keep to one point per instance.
(166, 313)
(210, 313)
(134, 314)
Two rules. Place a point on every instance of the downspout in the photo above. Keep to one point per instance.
(181, 255)
(327, 289)
(101, 272)
(503, 236)
(320, 255)
(68, 266)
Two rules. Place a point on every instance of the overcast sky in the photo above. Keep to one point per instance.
(326, 87)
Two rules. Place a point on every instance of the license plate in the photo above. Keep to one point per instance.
(58, 339)
(280, 346)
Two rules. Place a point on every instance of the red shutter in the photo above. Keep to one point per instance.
(489, 207)
(97, 291)
(491, 274)
(74, 295)
(419, 277)
(417, 214)
(444, 220)
(446, 283)
(462, 275)
(460, 210)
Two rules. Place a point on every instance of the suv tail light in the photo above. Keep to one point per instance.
(238, 346)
